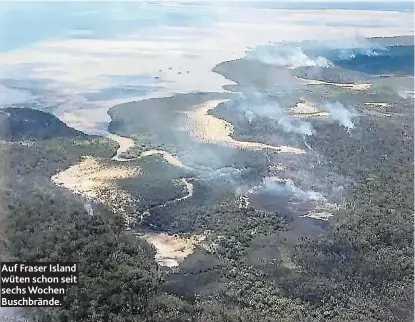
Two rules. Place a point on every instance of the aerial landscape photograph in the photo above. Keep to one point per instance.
(211, 161)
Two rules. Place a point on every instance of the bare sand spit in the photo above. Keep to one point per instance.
(306, 109)
(167, 156)
(95, 180)
(125, 145)
(172, 250)
(189, 189)
(355, 87)
(207, 128)
(189, 193)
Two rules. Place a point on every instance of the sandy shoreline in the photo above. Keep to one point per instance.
(96, 180)
(125, 144)
(209, 129)
(128, 143)
(174, 161)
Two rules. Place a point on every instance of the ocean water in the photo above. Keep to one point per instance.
(78, 59)
(26, 24)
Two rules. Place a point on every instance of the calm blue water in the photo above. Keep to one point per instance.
(24, 24)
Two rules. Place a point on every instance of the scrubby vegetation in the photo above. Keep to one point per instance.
(42, 222)
(254, 265)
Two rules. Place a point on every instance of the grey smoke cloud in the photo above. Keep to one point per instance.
(289, 124)
(274, 111)
(89, 209)
(339, 113)
(287, 188)
(285, 55)
(225, 175)
(346, 48)
(351, 53)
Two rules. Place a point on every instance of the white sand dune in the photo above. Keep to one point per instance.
(207, 128)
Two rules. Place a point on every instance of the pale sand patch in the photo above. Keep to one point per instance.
(189, 193)
(322, 212)
(171, 250)
(207, 128)
(125, 145)
(375, 104)
(355, 87)
(306, 109)
(278, 179)
(167, 156)
(96, 181)
(325, 216)
(189, 188)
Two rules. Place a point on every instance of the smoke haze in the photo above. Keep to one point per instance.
(339, 113)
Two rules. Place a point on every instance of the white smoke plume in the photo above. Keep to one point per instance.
(351, 53)
(285, 55)
(339, 113)
(289, 124)
(227, 175)
(286, 187)
(275, 112)
(348, 48)
(89, 209)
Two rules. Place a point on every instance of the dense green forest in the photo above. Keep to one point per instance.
(260, 266)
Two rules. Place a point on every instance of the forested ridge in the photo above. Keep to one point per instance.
(359, 269)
